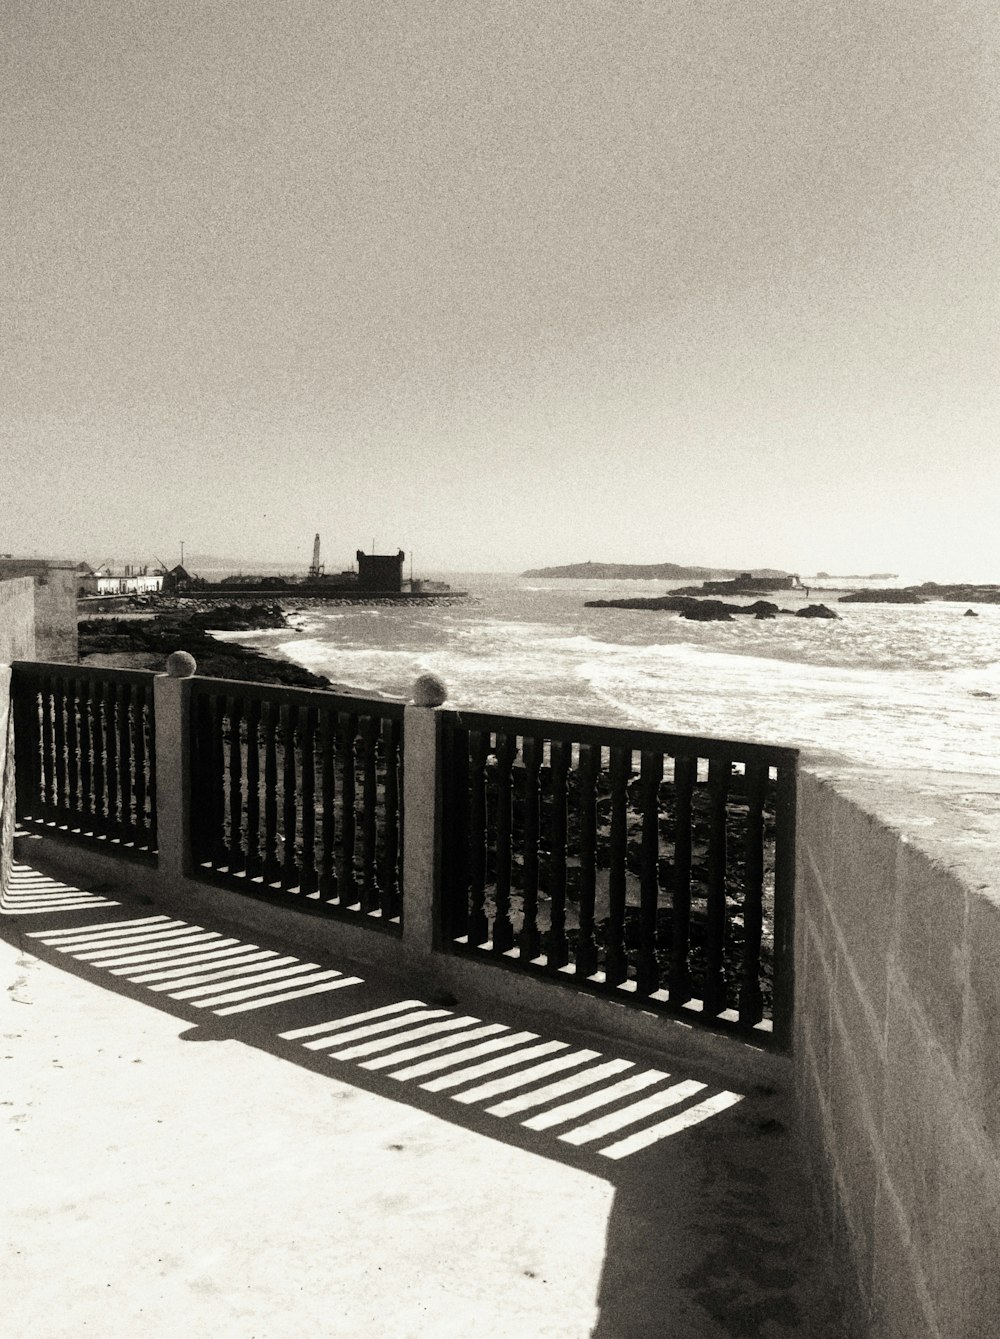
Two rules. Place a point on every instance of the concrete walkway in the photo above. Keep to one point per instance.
(339, 1160)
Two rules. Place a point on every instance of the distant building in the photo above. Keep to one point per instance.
(86, 579)
(131, 580)
(380, 572)
(178, 578)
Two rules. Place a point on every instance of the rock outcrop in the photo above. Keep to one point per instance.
(906, 596)
(962, 592)
(130, 640)
(701, 611)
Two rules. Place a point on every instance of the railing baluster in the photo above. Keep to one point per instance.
(150, 718)
(530, 942)
(87, 805)
(615, 961)
(59, 744)
(236, 857)
(254, 864)
(479, 929)
(308, 881)
(289, 864)
(391, 733)
(217, 780)
(679, 979)
(370, 894)
(139, 742)
(455, 871)
(48, 770)
(751, 996)
(272, 870)
(557, 949)
(328, 868)
(648, 964)
(125, 750)
(347, 878)
(716, 916)
(503, 929)
(72, 753)
(586, 949)
(111, 753)
(98, 735)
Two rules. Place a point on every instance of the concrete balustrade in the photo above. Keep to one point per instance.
(896, 1048)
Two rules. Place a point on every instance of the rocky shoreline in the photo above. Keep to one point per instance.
(960, 593)
(711, 611)
(140, 642)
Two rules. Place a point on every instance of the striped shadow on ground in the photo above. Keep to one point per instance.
(29, 893)
(201, 968)
(476, 1063)
(606, 1104)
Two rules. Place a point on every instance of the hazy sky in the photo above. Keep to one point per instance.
(504, 283)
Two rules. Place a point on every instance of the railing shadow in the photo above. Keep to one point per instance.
(711, 1230)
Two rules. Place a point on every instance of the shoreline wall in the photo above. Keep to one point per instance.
(897, 1045)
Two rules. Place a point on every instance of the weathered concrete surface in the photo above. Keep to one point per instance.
(154, 1187)
(897, 1046)
(17, 619)
(54, 591)
(168, 1189)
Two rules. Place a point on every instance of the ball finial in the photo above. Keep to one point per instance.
(429, 691)
(181, 665)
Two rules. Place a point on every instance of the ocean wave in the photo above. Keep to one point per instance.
(891, 685)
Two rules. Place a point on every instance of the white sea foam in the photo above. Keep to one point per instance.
(893, 685)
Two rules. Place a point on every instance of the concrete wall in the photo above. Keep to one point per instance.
(17, 642)
(897, 1046)
(6, 780)
(55, 583)
(17, 619)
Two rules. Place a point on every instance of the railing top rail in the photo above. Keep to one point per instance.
(40, 669)
(387, 708)
(584, 732)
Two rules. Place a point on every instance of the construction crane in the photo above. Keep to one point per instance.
(316, 568)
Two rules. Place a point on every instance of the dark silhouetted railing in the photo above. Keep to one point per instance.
(647, 866)
(655, 869)
(85, 743)
(296, 793)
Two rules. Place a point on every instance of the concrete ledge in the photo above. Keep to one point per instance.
(897, 1060)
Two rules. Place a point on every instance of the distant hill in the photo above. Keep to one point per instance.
(647, 572)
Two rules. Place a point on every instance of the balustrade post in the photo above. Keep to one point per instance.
(423, 784)
(172, 697)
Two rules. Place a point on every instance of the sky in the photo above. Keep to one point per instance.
(503, 283)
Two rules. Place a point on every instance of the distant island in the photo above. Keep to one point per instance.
(651, 572)
(867, 576)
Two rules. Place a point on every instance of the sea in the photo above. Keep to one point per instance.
(884, 685)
